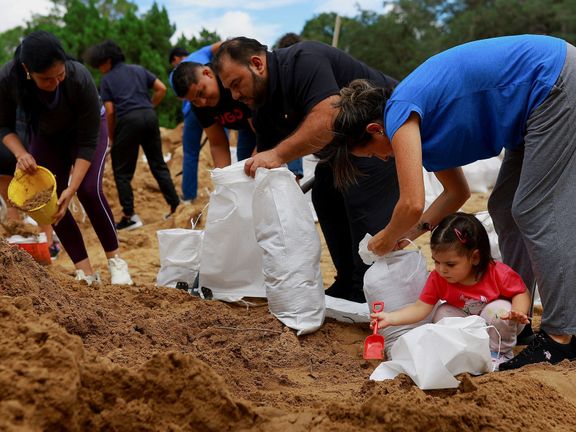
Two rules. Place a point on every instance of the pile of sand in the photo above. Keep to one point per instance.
(141, 358)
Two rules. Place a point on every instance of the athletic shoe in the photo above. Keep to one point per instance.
(119, 271)
(542, 349)
(88, 279)
(129, 223)
(526, 335)
(499, 358)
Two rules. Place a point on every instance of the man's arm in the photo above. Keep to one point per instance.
(110, 120)
(219, 145)
(313, 134)
(158, 92)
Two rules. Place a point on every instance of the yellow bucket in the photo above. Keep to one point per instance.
(24, 187)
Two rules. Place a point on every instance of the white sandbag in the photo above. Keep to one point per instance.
(179, 250)
(486, 220)
(432, 187)
(397, 280)
(231, 260)
(434, 353)
(482, 174)
(291, 249)
(346, 311)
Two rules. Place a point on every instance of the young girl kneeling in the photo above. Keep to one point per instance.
(471, 283)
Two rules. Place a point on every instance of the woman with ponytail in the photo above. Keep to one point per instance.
(68, 135)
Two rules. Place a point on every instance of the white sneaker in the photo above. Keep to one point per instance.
(498, 358)
(119, 271)
(88, 279)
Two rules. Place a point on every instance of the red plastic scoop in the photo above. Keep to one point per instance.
(374, 344)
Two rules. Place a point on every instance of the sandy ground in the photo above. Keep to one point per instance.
(144, 358)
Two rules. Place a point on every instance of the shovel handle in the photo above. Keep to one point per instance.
(376, 307)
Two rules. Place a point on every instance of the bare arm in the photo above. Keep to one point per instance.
(79, 171)
(26, 161)
(407, 315)
(110, 120)
(158, 92)
(314, 133)
(520, 307)
(219, 145)
(407, 149)
(456, 192)
(408, 212)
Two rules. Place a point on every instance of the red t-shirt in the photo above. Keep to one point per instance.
(499, 281)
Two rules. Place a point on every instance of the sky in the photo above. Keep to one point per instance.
(265, 20)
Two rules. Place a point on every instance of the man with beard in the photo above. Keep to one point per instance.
(292, 92)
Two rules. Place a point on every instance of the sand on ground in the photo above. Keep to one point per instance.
(144, 358)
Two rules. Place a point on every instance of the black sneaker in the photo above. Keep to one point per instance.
(129, 223)
(526, 335)
(542, 349)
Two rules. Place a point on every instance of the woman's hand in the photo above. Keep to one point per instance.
(26, 163)
(63, 202)
(381, 245)
(514, 315)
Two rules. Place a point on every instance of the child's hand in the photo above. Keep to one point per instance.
(383, 319)
(514, 315)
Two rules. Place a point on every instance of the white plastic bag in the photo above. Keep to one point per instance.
(346, 311)
(179, 256)
(397, 280)
(231, 260)
(433, 353)
(482, 174)
(291, 249)
(486, 220)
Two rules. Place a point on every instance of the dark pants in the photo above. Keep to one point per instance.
(139, 127)
(58, 156)
(346, 217)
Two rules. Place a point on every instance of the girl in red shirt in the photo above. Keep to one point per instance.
(469, 282)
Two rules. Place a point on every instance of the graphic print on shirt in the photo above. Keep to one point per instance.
(473, 306)
(229, 118)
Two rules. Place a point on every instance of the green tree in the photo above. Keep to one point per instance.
(9, 40)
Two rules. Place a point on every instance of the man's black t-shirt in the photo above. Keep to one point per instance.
(230, 113)
(301, 76)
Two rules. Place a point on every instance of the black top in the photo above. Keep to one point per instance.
(71, 116)
(230, 113)
(301, 76)
(127, 86)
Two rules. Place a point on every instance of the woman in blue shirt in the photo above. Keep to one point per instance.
(466, 104)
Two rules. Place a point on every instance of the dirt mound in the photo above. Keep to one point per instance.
(143, 358)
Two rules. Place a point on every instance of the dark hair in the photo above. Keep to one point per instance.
(38, 51)
(239, 49)
(97, 55)
(361, 103)
(185, 74)
(287, 40)
(177, 52)
(463, 233)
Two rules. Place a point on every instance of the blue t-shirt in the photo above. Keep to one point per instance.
(203, 55)
(474, 99)
(127, 86)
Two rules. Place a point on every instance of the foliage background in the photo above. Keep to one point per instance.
(395, 42)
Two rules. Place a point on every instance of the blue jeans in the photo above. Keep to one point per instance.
(191, 139)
